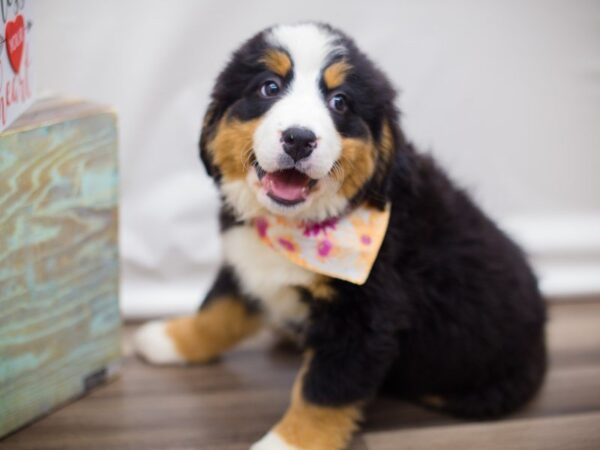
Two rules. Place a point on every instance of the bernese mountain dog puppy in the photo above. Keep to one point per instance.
(337, 232)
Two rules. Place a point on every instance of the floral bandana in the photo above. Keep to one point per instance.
(344, 247)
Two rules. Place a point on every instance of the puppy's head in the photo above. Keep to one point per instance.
(301, 124)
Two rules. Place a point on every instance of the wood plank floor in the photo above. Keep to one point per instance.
(230, 404)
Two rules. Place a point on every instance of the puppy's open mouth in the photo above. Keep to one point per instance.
(287, 187)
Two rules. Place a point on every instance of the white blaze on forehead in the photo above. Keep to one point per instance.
(309, 45)
(302, 104)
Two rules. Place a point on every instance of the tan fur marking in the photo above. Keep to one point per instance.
(387, 141)
(387, 144)
(231, 147)
(218, 327)
(435, 401)
(320, 289)
(312, 427)
(278, 62)
(355, 166)
(335, 75)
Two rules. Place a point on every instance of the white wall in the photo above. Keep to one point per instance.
(506, 94)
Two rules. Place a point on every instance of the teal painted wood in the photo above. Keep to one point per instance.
(59, 270)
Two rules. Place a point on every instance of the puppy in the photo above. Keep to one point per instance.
(337, 232)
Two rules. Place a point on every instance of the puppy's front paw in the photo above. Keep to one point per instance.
(153, 343)
(272, 441)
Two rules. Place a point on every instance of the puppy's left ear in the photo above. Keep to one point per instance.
(387, 149)
(208, 129)
(395, 157)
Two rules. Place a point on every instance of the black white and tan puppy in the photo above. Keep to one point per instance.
(302, 129)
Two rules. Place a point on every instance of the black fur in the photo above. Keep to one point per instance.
(451, 307)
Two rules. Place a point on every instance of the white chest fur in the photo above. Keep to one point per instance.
(267, 276)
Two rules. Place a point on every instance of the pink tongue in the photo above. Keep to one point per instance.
(286, 184)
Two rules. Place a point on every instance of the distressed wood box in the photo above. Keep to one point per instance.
(59, 270)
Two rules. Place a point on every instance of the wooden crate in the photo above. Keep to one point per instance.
(59, 271)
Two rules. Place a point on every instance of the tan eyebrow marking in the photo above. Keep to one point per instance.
(335, 74)
(277, 61)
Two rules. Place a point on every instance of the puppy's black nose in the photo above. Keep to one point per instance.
(298, 142)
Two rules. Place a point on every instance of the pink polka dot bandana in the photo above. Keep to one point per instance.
(344, 247)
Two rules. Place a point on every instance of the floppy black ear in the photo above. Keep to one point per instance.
(387, 140)
(395, 157)
(228, 88)
(208, 129)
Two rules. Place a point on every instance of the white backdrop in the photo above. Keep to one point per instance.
(506, 94)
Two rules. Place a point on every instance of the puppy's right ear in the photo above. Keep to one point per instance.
(208, 129)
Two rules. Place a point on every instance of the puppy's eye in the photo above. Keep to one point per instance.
(338, 103)
(270, 89)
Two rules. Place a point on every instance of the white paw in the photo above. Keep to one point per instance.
(153, 343)
(272, 441)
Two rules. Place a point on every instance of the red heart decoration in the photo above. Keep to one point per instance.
(14, 37)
